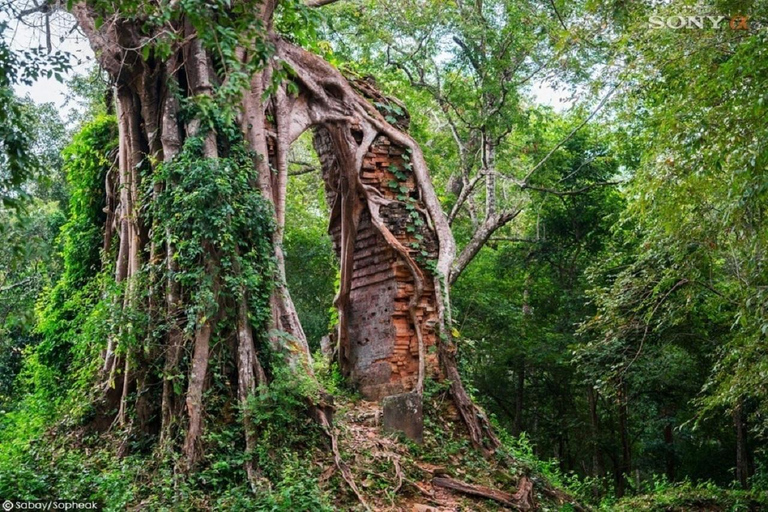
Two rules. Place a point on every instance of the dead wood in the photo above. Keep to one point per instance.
(521, 500)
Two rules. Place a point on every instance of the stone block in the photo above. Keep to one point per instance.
(403, 413)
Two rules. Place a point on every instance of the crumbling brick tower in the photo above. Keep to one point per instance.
(382, 338)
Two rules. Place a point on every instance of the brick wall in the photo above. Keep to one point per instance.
(383, 343)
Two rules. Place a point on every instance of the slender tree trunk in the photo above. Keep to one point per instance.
(742, 453)
(527, 313)
(517, 426)
(625, 467)
(598, 466)
(669, 443)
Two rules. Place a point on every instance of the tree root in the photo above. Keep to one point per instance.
(398, 473)
(522, 500)
(562, 498)
(346, 474)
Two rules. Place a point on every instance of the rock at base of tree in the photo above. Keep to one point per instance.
(326, 347)
(403, 413)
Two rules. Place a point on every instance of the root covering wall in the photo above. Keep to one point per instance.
(384, 351)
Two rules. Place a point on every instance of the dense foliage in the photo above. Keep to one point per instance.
(222, 215)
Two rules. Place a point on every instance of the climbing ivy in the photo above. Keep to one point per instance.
(405, 195)
(211, 210)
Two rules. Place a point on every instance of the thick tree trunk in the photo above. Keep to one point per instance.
(197, 67)
(170, 139)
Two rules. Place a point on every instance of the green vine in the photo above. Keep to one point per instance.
(416, 223)
(220, 228)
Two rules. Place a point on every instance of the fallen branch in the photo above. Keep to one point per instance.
(319, 3)
(522, 500)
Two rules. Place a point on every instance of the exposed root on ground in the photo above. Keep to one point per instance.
(444, 474)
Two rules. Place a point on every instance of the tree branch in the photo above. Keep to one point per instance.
(319, 3)
(574, 192)
(463, 196)
(42, 8)
(471, 56)
(560, 18)
(10, 287)
(513, 239)
(573, 132)
(479, 239)
(583, 164)
(303, 170)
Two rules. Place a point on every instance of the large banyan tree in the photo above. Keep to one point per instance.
(209, 97)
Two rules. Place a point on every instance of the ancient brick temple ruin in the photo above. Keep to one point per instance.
(383, 345)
